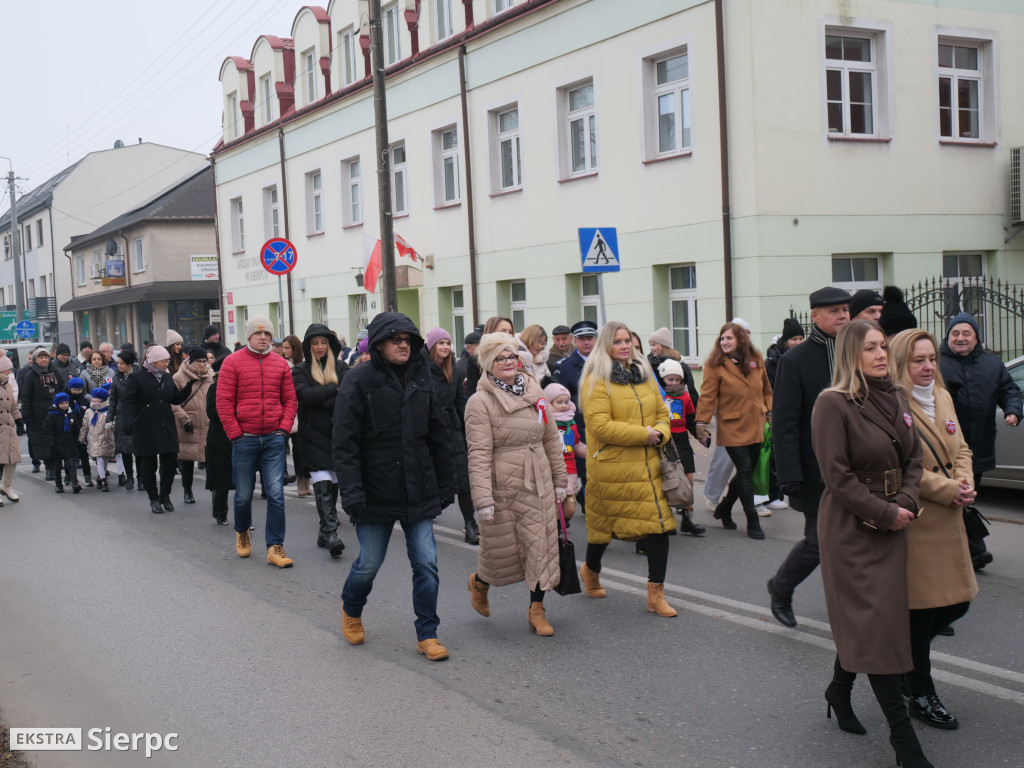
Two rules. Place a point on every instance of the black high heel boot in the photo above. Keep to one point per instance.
(838, 697)
(901, 730)
(723, 512)
(754, 526)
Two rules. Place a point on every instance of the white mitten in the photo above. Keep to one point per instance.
(485, 515)
(559, 494)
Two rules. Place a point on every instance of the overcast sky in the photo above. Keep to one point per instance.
(82, 75)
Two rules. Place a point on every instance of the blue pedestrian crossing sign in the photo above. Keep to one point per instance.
(599, 249)
(278, 256)
(26, 329)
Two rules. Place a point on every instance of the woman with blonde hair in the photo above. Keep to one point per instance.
(736, 388)
(533, 342)
(863, 434)
(940, 575)
(517, 476)
(627, 420)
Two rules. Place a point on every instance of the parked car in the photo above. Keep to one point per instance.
(1009, 471)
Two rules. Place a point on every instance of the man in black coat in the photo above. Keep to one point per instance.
(803, 372)
(978, 382)
(211, 342)
(392, 460)
(567, 373)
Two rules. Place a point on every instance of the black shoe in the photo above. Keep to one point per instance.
(155, 508)
(472, 533)
(220, 517)
(59, 488)
(782, 608)
(129, 484)
(946, 632)
(49, 476)
(141, 486)
(981, 560)
(839, 700)
(201, 465)
(724, 513)
(689, 525)
(189, 498)
(121, 480)
(76, 488)
(754, 526)
(929, 710)
(103, 485)
(88, 481)
(35, 468)
(165, 502)
(67, 479)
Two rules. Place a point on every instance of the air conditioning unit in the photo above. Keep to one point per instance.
(96, 271)
(1016, 214)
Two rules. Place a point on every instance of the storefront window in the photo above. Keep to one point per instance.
(189, 318)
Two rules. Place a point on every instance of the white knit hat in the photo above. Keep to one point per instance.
(670, 368)
(257, 324)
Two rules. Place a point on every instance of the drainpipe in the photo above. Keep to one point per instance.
(470, 223)
(284, 206)
(216, 244)
(723, 139)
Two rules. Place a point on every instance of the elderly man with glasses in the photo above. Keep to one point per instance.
(393, 465)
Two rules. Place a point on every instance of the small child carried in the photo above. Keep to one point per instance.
(564, 411)
(98, 435)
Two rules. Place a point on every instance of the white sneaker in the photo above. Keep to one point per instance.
(777, 504)
(763, 511)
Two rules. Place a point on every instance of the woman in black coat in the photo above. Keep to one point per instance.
(41, 382)
(451, 396)
(124, 445)
(148, 397)
(316, 388)
(219, 477)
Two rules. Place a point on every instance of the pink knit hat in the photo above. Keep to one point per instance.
(553, 390)
(157, 353)
(5, 364)
(434, 335)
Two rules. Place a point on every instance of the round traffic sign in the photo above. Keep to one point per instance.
(26, 329)
(278, 256)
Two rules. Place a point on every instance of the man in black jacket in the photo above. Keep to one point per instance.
(393, 465)
(803, 372)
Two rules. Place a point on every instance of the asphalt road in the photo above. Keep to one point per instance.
(111, 616)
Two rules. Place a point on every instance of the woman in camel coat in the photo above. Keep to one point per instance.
(736, 387)
(940, 575)
(191, 418)
(11, 426)
(517, 477)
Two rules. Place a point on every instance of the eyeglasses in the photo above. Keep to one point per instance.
(399, 340)
(505, 359)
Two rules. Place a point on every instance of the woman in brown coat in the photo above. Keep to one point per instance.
(191, 418)
(516, 475)
(736, 387)
(940, 574)
(11, 426)
(870, 458)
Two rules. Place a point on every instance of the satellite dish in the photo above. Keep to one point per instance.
(118, 144)
(111, 247)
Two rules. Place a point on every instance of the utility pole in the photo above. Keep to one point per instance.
(19, 293)
(380, 115)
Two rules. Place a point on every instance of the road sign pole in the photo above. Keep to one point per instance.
(280, 308)
(600, 299)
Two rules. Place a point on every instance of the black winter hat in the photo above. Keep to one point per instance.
(896, 316)
(790, 328)
(63, 349)
(473, 337)
(209, 331)
(863, 299)
(196, 354)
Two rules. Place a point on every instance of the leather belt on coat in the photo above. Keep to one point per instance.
(885, 484)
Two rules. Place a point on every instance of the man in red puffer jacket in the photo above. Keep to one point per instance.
(256, 403)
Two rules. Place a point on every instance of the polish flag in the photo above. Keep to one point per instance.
(372, 259)
(404, 249)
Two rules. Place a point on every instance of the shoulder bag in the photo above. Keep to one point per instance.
(569, 584)
(677, 487)
(975, 522)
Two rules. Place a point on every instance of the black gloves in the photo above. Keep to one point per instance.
(20, 425)
(189, 427)
(447, 501)
(791, 489)
(355, 511)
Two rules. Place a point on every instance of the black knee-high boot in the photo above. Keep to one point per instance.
(901, 732)
(328, 536)
(469, 517)
(838, 697)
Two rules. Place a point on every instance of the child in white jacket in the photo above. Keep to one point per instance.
(98, 435)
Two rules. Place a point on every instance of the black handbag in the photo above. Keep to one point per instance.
(569, 583)
(975, 522)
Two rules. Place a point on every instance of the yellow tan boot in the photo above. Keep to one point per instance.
(591, 582)
(432, 649)
(478, 592)
(352, 628)
(656, 600)
(242, 544)
(539, 621)
(276, 556)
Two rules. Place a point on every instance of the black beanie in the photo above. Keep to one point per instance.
(790, 328)
(63, 349)
(209, 331)
(196, 354)
(896, 316)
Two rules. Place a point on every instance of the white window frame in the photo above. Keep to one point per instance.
(511, 138)
(271, 212)
(349, 45)
(446, 151)
(590, 302)
(689, 296)
(318, 308)
(392, 34)
(955, 284)
(986, 45)
(854, 285)
(399, 179)
(39, 232)
(500, 6)
(314, 203)
(682, 112)
(458, 319)
(517, 307)
(80, 269)
(138, 255)
(879, 34)
(237, 225)
(309, 74)
(566, 117)
(351, 191)
(443, 27)
(232, 109)
(266, 94)
(27, 237)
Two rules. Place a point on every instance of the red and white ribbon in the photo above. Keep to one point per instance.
(542, 411)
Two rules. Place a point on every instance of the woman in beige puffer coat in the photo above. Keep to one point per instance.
(191, 417)
(11, 426)
(517, 478)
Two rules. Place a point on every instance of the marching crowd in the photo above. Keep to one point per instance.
(880, 434)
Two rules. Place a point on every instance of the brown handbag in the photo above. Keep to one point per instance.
(674, 482)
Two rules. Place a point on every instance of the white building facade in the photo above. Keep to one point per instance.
(852, 160)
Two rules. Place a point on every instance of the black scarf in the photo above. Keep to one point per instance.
(620, 375)
(818, 336)
(518, 388)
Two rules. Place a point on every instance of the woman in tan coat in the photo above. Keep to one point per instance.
(870, 458)
(191, 417)
(940, 575)
(736, 387)
(517, 476)
(11, 426)
(627, 420)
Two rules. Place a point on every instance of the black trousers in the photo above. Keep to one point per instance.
(147, 466)
(656, 548)
(188, 469)
(925, 624)
(129, 465)
(220, 500)
(70, 469)
(742, 484)
(802, 559)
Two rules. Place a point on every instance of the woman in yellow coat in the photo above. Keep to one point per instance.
(940, 575)
(627, 420)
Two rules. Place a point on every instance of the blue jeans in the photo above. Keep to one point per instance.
(266, 453)
(422, 549)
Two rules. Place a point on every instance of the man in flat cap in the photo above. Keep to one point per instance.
(561, 346)
(803, 372)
